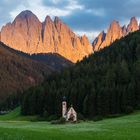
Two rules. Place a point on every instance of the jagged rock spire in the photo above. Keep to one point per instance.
(114, 32)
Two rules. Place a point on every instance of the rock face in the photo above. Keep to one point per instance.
(24, 33)
(124, 30)
(98, 41)
(133, 25)
(114, 32)
(29, 35)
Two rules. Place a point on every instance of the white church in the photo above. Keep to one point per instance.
(69, 114)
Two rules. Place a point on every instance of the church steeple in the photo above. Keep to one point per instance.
(64, 98)
(64, 107)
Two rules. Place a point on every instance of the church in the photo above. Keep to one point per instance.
(69, 114)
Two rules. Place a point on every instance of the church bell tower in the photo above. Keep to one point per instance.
(64, 108)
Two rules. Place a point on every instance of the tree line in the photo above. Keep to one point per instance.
(105, 83)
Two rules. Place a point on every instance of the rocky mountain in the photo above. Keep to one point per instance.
(27, 34)
(133, 25)
(114, 32)
(18, 72)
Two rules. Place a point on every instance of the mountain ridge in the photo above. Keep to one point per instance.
(27, 34)
(114, 32)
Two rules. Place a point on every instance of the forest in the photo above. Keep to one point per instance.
(105, 83)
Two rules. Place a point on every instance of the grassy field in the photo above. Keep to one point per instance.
(15, 127)
(16, 116)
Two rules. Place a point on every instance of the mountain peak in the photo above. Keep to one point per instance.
(57, 20)
(115, 31)
(84, 38)
(31, 36)
(133, 19)
(114, 24)
(103, 34)
(48, 19)
(25, 14)
(133, 25)
(98, 41)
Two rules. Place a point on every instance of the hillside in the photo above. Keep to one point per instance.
(55, 61)
(103, 84)
(122, 128)
(18, 72)
(52, 60)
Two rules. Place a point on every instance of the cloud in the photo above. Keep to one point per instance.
(64, 4)
(114, 9)
(52, 8)
(74, 5)
(40, 10)
(98, 14)
(6, 7)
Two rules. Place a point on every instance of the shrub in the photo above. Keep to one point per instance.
(60, 121)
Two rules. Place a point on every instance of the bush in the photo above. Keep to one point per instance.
(60, 121)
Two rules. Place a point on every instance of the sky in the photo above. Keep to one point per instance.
(84, 16)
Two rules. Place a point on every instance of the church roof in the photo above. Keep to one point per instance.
(69, 109)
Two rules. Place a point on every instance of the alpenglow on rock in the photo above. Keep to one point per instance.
(27, 34)
(114, 32)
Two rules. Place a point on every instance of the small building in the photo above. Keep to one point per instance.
(70, 114)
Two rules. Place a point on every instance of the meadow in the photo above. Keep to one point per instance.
(16, 127)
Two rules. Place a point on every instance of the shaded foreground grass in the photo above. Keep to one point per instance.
(122, 128)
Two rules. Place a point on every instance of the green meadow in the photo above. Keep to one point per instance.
(16, 127)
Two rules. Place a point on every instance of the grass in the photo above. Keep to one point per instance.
(122, 128)
(15, 115)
